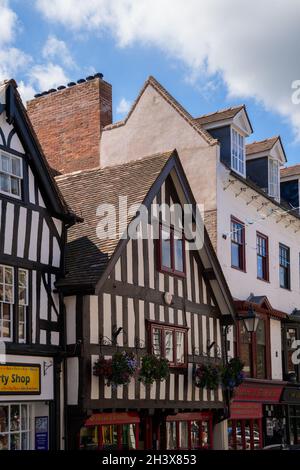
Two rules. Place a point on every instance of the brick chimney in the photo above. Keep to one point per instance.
(68, 122)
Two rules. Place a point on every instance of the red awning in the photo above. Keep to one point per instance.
(99, 419)
(258, 392)
(246, 410)
(205, 415)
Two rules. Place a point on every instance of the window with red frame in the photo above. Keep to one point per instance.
(252, 350)
(170, 343)
(262, 251)
(238, 259)
(171, 251)
(190, 433)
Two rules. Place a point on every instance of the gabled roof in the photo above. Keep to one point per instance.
(293, 170)
(261, 146)
(151, 81)
(17, 115)
(236, 116)
(220, 115)
(260, 304)
(89, 259)
(267, 146)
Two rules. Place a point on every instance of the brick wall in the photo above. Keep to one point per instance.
(210, 221)
(68, 124)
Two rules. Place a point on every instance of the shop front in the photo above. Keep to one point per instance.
(291, 400)
(161, 430)
(257, 418)
(26, 403)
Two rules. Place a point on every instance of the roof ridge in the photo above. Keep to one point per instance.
(220, 111)
(264, 140)
(107, 168)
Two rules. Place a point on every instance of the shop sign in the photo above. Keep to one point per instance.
(20, 379)
(291, 395)
(41, 433)
(258, 393)
(243, 410)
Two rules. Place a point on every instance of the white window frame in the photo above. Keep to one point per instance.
(24, 305)
(12, 175)
(10, 338)
(241, 162)
(26, 430)
(274, 186)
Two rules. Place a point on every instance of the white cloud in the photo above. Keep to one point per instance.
(9, 23)
(123, 106)
(47, 76)
(253, 46)
(55, 48)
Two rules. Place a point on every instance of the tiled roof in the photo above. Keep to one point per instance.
(87, 255)
(261, 146)
(293, 170)
(173, 102)
(221, 115)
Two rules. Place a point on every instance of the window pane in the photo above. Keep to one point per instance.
(5, 163)
(195, 434)
(16, 166)
(15, 186)
(290, 338)
(183, 435)
(245, 349)
(169, 345)
(4, 183)
(4, 441)
(180, 347)
(89, 437)
(205, 434)
(110, 437)
(128, 436)
(3, 419)
(261, 361)
(15, 441)
(171, 435)
(235, 255)
(156, 342)
(166, 249)
(256, 435)
(15, 419)
(178, 254)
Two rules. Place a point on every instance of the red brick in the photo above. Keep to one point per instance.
(68, 124)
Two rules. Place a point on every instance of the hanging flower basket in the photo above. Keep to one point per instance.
(118, 370)
(232, 374)
(153, 368)
(207, 375)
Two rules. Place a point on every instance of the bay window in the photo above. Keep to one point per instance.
(13, 303)
(171, 251)
(11, 175)
(170, 343)
(237, 152)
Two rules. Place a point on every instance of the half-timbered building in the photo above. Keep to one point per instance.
(140, 295)
(33, 221)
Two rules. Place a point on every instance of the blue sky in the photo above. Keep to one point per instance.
(208, 58)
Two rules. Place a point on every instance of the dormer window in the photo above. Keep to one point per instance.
(10, 175)
(237, 152)
(274, 189)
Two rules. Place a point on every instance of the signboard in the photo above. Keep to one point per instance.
(291, 395)
(41, 433)
(20, 379)
(266, 393)
(97, 419)
(244, 410)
